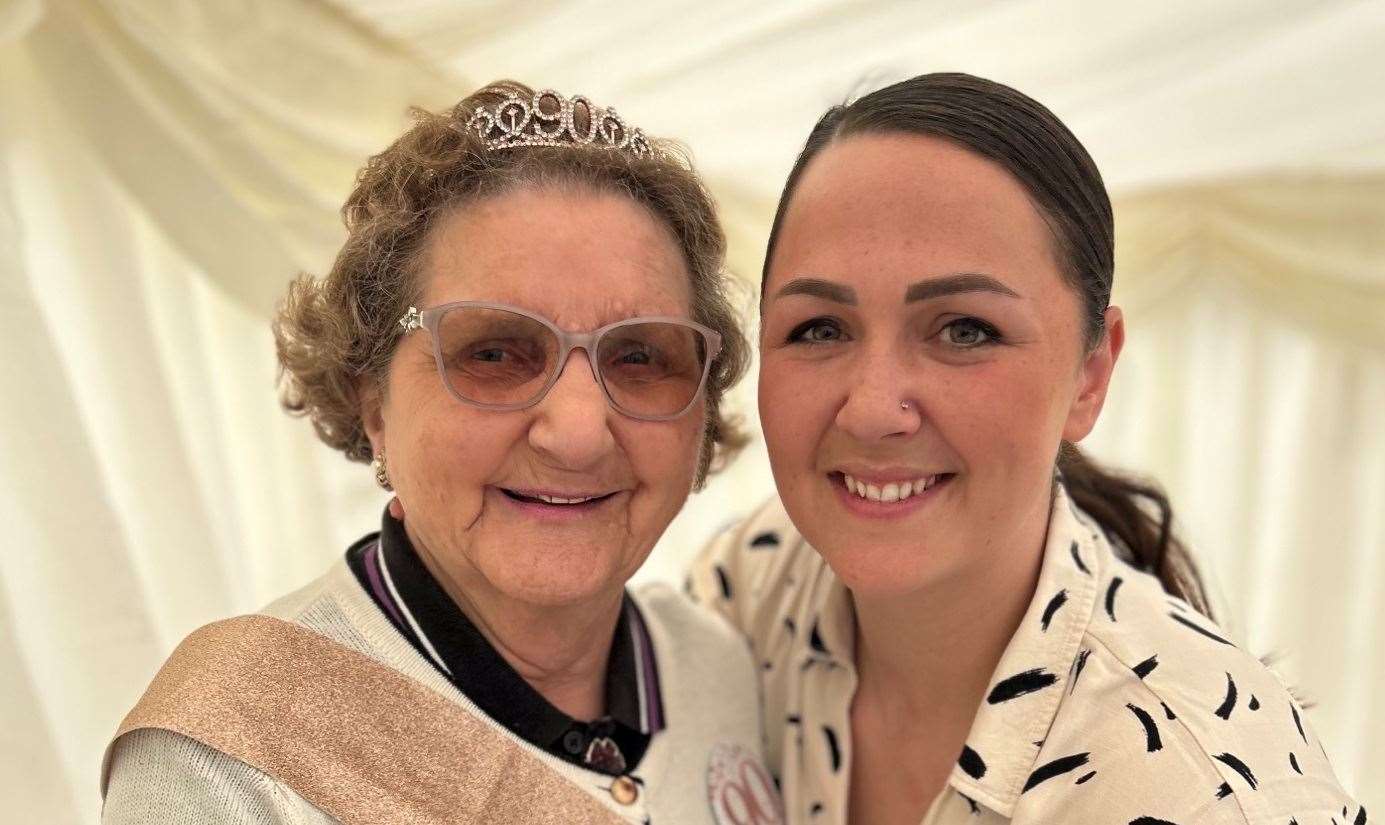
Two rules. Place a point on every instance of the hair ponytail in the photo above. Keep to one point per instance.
(1136, 515)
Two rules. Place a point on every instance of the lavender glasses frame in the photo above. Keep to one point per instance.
(589, 342)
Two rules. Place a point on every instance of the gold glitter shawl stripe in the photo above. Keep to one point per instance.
(359, 740)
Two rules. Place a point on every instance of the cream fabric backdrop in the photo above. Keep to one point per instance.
(166, 166)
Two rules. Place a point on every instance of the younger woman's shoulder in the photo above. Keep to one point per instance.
(740, 573)
(1177, 721)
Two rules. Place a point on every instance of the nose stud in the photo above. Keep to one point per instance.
(904, 405)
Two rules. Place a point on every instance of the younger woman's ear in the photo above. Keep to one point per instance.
(1095, 378)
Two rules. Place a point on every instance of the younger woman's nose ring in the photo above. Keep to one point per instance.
(904, 405)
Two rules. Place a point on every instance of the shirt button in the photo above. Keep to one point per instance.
(624, 790)
(574, 741)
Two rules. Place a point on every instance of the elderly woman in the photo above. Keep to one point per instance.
(527, 333)
(960, 618)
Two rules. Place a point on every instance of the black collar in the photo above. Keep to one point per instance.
(390, 570)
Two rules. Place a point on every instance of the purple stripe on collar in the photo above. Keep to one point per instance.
(371, 557)
(653, 721)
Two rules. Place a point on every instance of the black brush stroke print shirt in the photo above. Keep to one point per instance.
(1113, 702)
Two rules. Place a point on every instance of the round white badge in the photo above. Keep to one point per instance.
(740, 789)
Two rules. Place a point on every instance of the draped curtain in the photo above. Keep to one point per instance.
(166, 167)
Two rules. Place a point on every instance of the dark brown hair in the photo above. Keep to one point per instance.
(333, 331)
(1032, 144)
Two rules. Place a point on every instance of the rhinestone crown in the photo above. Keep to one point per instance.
(549, 120)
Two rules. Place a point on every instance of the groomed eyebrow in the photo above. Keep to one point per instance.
(818, 288)
(956, 284)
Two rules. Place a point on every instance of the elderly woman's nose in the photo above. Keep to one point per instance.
(573, 421)
(881, 400)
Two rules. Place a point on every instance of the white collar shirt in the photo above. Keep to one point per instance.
(1113, 702)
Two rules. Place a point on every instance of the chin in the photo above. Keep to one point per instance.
(559, 579)
(882, 572)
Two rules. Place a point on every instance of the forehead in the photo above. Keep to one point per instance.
(874, 206)
(579, 257)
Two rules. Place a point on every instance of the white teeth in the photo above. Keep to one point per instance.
(891, 492)
(557, 500)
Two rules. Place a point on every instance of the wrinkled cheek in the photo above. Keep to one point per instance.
(693, 440)
(666, 454)
(447, 474)
(447, 484)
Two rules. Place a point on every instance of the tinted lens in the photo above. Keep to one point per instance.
(652, 368)
(496, 357)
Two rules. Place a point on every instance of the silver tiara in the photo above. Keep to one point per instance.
(518, 122)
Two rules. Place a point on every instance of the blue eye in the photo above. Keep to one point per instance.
(969, 333)
(816, 331)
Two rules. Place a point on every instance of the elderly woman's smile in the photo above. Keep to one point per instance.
(562, 500)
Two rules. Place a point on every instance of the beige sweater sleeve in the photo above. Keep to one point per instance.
(163, 778)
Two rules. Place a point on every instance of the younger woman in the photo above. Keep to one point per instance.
(958, 617)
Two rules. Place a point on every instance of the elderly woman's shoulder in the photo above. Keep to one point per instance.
(739, 572)
(696, 635)
(158, 776)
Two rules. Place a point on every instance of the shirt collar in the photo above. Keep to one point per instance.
(831, 640)
(1029, 682)
(406, 591)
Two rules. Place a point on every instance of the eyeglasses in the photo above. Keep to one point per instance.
(501, 357)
